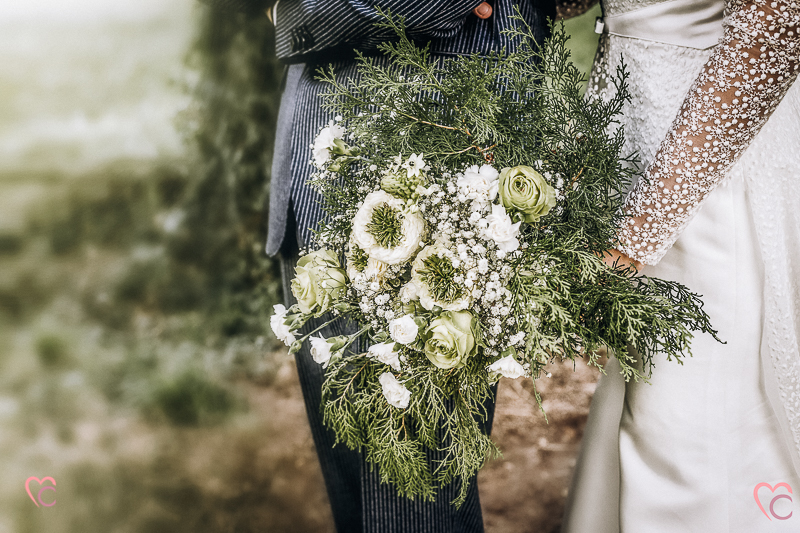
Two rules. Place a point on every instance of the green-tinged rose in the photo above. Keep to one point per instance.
(319, 281)
(525, 191)
(452, 339)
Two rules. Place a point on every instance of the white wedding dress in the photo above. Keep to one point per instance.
(715, 118)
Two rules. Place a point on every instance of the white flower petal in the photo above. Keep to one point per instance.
(281, 330)
(385, 353)
(320, 350)
(507, 367)
(395, 392)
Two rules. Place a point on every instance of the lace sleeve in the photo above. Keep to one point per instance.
(734, 95)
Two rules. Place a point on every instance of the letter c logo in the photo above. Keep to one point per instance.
(771, 506)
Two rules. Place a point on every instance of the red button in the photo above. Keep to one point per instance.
(483, 11)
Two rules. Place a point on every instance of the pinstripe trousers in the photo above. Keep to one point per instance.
(359, 501)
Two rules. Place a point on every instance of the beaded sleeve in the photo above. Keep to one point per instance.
(739, 87)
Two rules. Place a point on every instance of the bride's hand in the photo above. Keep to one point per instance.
(613, 256)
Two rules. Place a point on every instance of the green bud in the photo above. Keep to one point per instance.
(341, 148)
(342, 307)
(508, 351)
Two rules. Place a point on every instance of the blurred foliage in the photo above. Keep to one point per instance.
(231, 128)
(191, 400)
(137, 295)
(193, 230)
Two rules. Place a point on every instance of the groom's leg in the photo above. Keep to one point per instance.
(387, 512)
(341, 467)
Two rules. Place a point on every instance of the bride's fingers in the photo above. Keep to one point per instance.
(616, 259)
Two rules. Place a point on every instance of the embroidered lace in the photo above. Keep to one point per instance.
(739, 87)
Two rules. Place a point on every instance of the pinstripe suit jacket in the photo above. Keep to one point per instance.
(313, 33)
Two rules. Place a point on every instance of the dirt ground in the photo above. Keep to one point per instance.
(259, 472)
(520, 493)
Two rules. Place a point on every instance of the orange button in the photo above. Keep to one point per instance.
(483, 11)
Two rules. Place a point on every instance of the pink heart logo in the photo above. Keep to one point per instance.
(772, 489)
(41, 481)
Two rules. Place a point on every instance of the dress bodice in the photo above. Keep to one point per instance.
(687, 23)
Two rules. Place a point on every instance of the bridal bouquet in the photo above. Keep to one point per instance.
(468, 201)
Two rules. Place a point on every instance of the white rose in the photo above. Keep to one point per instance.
(403, 330)
(385, 353)
(395, 392)
(320, 350)
(507, 367)
(281, 330)
(412, 229)
(501, 230)
(479, 183)
(324, 143)
(409, 292)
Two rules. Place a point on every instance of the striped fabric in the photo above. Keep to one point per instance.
(473, 36)
(448, 24)
(310, 34)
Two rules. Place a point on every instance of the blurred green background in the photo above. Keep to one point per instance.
(136, 363)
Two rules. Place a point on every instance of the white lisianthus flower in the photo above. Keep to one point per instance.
(507, 367)
(412, 229)
(281, 330)
(376, 270)
(320, 350)
(403, 330)
(426, 298)
(395, 392)
(385, 353)
(325, 142)
(501, 230)
(479, 184)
